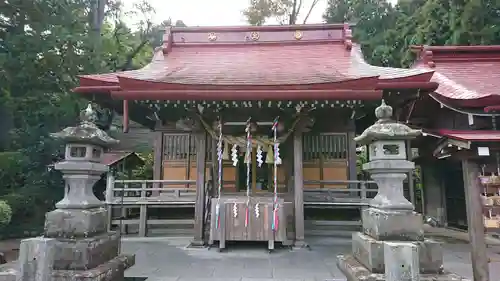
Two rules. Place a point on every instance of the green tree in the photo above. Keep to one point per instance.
(259, 12)
(386, 32)
(44, 46)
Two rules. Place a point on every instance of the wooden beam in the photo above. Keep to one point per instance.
(479, 255)
(199, 209)
(298, 189)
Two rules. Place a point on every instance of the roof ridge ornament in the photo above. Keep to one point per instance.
(347, 37)
(298, 35)
(424, 54)
(168, 39)
(212, 36)
(254, 35)
(428, 57)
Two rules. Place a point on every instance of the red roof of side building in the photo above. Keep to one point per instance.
(195, 61)
(112, 158)
(471, 135)
(467, 75)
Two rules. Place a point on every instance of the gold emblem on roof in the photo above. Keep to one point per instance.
(297, 35)
(254, 36)
(212, 36)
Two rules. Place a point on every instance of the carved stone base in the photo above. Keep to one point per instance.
(86, 253)
(393, 225)
(370, 253)
(71, 223)
(112, 270)
(355, 271)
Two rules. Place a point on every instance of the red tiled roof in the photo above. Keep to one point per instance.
(260, 65)
(251, 65)
(471, 135)
(324, 55)
(359, 66)
(466, 74)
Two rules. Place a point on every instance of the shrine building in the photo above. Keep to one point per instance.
(460, 121)
(252, 126)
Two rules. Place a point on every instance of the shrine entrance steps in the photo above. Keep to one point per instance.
(339, 222)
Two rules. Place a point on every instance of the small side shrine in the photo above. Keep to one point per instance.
(391, 246)
(76, 245)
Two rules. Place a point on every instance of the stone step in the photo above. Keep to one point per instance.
(324, 228)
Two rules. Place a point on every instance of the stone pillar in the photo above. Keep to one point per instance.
(76, 242)
(392, 245)
(36, 259)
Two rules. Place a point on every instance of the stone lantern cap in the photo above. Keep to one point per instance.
(386, 128)
(86, 132)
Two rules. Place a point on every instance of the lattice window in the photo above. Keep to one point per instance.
(328, 145)
(178, 146)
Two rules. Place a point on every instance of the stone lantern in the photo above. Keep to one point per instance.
(76, 245)
(391, 246)
(388, 166)
(82, 166)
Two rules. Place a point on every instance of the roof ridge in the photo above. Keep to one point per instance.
(429, 55)
(250, 28)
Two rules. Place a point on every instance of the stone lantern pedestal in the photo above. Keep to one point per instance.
(76, 245)
(391, 246)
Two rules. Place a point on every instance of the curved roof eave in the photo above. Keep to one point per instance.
(388, 73)
(363, 83)
(445, 102)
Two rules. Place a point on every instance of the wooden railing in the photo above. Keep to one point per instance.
(144, 194)
(147, 192)
(359, 193)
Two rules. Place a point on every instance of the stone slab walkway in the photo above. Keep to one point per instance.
(168, 259)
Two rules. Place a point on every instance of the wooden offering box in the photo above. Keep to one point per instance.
(232, 220)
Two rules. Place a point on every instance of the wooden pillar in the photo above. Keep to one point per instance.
(201, 151)
(352, 173)
(479, 256)
(143, 213)
(158, 161)
(298, 189)
(215, 168)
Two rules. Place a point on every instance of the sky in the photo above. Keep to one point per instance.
(215, 12)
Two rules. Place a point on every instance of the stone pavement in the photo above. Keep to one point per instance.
(168, 259)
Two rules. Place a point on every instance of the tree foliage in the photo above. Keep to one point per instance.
(386, 31)
(259, 12)
(44, 46)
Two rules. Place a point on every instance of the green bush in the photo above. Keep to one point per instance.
(5, 213)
